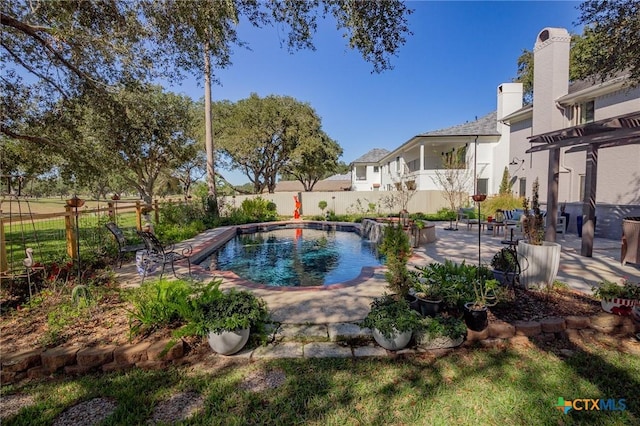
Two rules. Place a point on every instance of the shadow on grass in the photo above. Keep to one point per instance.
(515, 385)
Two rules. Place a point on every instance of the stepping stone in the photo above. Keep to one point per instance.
(326, 350)
(345, 332)
(303, 332)
(282, 350)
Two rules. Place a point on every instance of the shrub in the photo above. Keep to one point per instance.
(610, 290)
(181, 213)
(397, 250)
(259, 210)
(441, 326)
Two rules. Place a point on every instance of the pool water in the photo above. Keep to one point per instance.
(295, 257)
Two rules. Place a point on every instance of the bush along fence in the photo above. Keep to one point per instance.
(55, 235)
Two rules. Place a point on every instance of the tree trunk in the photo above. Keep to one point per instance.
(212, 199)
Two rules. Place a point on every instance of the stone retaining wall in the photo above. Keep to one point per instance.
(39, 363)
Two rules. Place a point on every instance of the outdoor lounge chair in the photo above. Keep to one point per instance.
(123, 247)
(161, 255)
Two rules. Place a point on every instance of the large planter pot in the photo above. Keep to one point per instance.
(429, 308)
(228, 342)
(619, 306)
(476, 319)
(397, 341)
(539, 263)
(413, 302)
(441, 342)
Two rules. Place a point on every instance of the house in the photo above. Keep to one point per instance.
(586, 133)
(484, 141)
(581, 140)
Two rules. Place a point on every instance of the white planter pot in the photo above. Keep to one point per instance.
(397, 341)
(228, 342)
(539, 264)
(441, 342)
(618, 306)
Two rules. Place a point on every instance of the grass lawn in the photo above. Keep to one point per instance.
(519, 386)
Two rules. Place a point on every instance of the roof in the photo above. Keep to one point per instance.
(346, 176)
(372, 156)
(521, 113)
(486, 125)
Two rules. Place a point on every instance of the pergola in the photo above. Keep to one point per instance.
(590, 137)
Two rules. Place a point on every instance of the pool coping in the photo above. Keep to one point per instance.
(204, 249)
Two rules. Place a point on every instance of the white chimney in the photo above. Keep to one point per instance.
(550, 78)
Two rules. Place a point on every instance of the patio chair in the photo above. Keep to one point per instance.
(161, 255)
(123, 247)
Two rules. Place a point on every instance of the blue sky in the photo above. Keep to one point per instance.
(447, 73)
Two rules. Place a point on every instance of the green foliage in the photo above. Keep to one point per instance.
(59, 319)
(485, 292)
(504, 260)
(610, 290)
(533, 222)
(196, 308)
(81, 295)
(441, 326)
(258, 210)
(500, 202)
(454, 282)
(157, 304)
(505, 187)
(174, 233)
(322, 205)
(181, 213)
(395, 247)
(389, 315)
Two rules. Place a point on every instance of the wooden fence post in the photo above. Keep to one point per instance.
(138, 216)
(156, 212)
(3, 249)
(112, 213)
(70, 232)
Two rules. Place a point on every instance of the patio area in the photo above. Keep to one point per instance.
(350, 303)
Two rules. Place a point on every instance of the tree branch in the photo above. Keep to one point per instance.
(34, 72)
(32, 32)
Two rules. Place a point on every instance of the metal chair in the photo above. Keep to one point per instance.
(123, 247)
(159, 254)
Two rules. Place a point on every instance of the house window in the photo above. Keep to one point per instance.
(483, 186)
(587, 112)
(361, 173)
(523, 187)
(376, 169)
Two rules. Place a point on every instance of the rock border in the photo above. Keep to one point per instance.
(74, 360)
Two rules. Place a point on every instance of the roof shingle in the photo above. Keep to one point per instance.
(484, 126)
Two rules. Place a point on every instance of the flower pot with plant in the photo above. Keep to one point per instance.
(391, 321)
(542, 257)
(505, 266)
(618, 299)
(225, 317)
(441, 332)
(429, 289)
(485, 294)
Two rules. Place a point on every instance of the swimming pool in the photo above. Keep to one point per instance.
(295, 257)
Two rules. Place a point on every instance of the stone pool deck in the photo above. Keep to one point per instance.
(350, 303)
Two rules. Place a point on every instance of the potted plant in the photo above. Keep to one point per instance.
(543, 257)
(618, 299)
(428, 283)
(476, 311)
(505, 266)
(441, 332)
(391, 321)
(225, 317)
